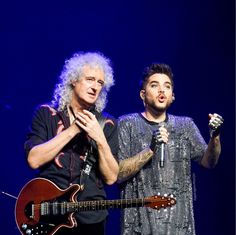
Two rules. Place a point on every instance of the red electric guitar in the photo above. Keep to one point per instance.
(43, 208)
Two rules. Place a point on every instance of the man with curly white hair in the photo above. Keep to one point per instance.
(71, 141)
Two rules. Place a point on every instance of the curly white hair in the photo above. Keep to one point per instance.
(72, 71)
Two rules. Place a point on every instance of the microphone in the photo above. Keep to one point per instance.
(157, 141)
(162, 159)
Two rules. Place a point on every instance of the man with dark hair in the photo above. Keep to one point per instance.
(71, 141)
(155, 153)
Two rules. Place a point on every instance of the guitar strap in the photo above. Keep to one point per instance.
(90, 155)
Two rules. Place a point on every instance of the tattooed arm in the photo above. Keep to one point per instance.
(130, 166)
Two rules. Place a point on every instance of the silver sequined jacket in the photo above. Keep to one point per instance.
(185, 144)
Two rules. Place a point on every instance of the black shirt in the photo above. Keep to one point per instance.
(66, 167)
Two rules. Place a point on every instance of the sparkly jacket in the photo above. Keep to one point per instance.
(185, 144)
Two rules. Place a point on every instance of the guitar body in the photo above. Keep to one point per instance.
(28, 210)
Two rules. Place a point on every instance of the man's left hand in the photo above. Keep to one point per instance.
(215, 124)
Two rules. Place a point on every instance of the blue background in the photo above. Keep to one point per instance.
(196, 38)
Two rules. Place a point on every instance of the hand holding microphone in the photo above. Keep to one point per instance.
(159, 138)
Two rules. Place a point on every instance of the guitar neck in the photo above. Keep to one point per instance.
(111, 204)
(47, 208)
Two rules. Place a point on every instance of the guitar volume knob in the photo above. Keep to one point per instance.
(24, 226)
(28, 231)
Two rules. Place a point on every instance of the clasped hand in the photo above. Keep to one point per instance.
(88, 122)
(215, 124)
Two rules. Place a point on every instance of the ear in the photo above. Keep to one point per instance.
(173, 97)
(142, 94)
(73, 83)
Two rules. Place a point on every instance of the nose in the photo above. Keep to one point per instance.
(161, 89)
(94, 86)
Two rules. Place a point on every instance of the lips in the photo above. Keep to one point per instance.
(92, 94)
(161, 98)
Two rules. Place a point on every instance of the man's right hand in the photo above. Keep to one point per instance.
(159, 136)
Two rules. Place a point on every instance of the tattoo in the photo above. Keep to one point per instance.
(132, 165)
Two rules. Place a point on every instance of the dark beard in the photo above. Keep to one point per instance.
(152, 106)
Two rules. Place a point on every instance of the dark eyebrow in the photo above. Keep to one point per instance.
(153, 82)
(168, 83)
(156, 82)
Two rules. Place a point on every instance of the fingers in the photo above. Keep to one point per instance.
(85, 118)
(89, 123)
(216, 116)
(81, 121)
(162, 135)
(215, 121)
(88, 114)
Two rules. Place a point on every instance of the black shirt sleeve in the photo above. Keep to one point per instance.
(110, 131)
(40, 129)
